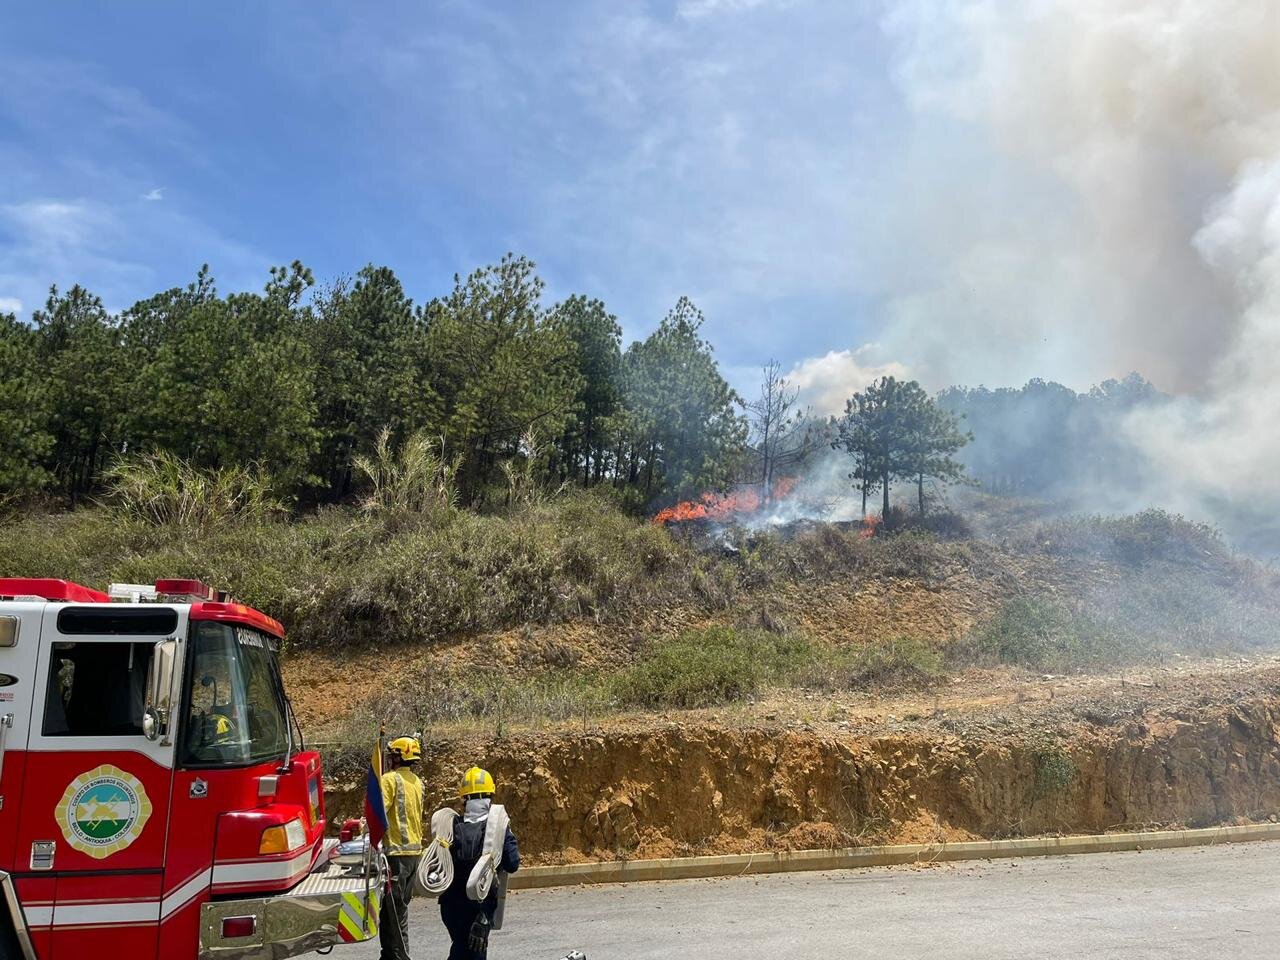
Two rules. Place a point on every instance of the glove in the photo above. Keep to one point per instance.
(479, 939)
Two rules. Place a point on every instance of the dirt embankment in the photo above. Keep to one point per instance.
(688, 788)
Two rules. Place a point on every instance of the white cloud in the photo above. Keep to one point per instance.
(826, 382)
(52, 224)
(657, 153)
(86, 211)
(10, 305)
(110, 249)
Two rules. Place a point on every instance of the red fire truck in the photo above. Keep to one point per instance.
(156, 799)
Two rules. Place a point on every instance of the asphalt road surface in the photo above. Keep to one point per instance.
(1198, 903)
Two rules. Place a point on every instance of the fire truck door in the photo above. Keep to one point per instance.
(96, 802)
(19, 643)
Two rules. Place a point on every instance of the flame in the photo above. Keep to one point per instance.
(720, 507)
(870, 524)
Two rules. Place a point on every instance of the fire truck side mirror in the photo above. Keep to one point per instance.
(155, 718)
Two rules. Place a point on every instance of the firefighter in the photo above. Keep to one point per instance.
(402, 793)
(467, 920)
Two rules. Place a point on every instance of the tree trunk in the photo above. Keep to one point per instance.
(885, 513)
(864, 499)
(920, 492)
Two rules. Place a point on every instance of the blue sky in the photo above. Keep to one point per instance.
(963, 191)
(637, 151)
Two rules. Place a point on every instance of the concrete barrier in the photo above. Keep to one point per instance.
(686, 868)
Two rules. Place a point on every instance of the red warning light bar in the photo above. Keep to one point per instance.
(48, 589)
(193, 589)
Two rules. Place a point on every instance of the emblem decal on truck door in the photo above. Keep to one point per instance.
(103, 811)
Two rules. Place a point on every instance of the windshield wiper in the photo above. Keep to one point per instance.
(289, 722)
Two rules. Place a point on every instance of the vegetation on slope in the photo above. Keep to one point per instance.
(639, 618)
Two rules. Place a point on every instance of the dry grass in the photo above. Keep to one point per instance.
(168, 491)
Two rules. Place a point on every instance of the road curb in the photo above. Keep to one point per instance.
(786, 861)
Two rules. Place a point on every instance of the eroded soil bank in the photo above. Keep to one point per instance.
(689, 787)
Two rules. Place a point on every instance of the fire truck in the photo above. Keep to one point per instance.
(156, 797)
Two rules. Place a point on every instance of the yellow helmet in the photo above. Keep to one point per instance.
(475, 782)
(223, 728)
(406, 748)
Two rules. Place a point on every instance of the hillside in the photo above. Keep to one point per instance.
(1069, 675)
(567, 620)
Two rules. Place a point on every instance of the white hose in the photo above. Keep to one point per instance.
(485, 871)
(435, 869)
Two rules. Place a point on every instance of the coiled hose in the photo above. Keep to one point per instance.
(435, 869)
(485, 871)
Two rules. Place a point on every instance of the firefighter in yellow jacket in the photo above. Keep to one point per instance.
(402, 793)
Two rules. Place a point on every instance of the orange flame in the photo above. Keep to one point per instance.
(870, 524)
(718, 507)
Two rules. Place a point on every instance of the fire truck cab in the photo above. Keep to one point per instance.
(156, 800)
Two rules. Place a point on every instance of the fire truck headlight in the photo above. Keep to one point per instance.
(284, 838)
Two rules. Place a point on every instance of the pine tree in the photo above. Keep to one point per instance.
(686, 430)
(500, 367)
(25, 440)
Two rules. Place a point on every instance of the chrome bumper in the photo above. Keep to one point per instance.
(9, 903)
(330, 907)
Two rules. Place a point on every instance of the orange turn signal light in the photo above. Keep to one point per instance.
(274, 840)
(282, 839)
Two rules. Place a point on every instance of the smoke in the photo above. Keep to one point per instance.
(1093, 187)
(825, 383)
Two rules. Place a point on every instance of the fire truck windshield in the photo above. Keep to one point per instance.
(235, 705)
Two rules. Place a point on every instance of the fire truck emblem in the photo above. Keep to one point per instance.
(103, 811)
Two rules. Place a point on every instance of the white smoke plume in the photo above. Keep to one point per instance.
(826, 382)
(1094, 187)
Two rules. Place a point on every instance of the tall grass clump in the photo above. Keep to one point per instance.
(414, 478)
(523, 474)
(829, 550)
(165, 490)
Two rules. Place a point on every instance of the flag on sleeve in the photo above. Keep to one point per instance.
(375, 809)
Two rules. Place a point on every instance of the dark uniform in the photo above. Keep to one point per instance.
(457, 910)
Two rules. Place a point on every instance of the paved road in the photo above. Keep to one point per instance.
(1171, 905)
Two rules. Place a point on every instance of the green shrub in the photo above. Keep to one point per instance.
(1178, 610)
(1046, 634)
(342, 576)
(703, 668)
(1054, 771)
(1136, 540)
